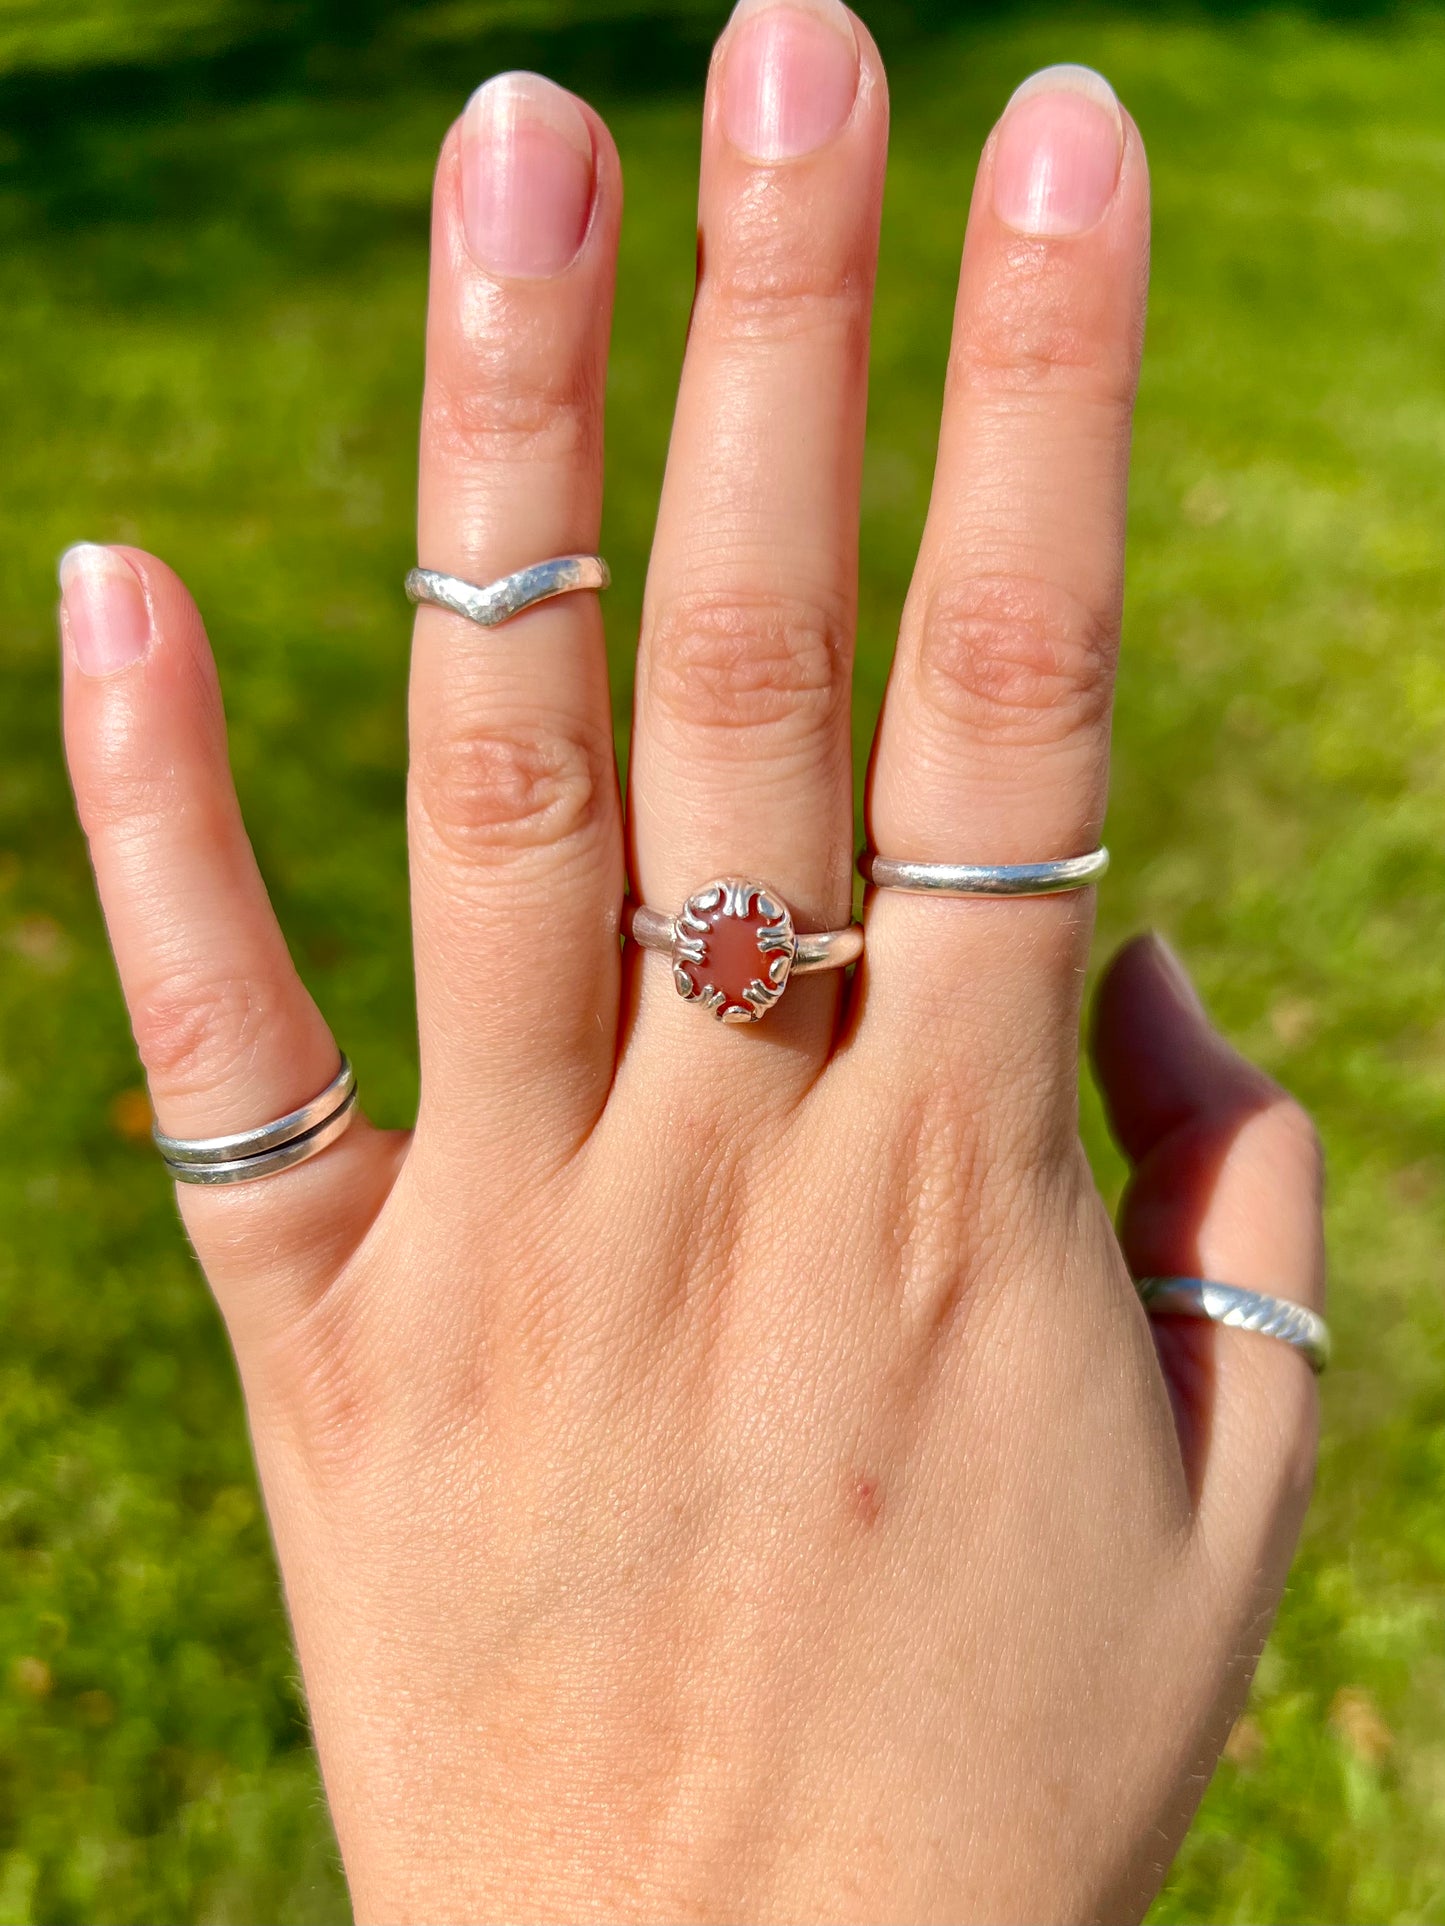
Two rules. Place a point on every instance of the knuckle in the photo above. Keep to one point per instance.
(738, 666)
(772, 277)
(129, 789)
(195, 1028)
(497, 788)
(540, 413)
(120, 805)
(1014, 660)
(1028, 332)
(738, 310)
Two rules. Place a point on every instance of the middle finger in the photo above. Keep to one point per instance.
(742, 752)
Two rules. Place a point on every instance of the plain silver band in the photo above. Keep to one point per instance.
(499, 601)
(242, 1170)
(1244, 1310)
(984, 879)
(251, 1143)
(817, 949)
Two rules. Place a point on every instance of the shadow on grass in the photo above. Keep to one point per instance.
(81, 144)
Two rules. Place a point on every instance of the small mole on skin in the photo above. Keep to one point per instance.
(867, 1499)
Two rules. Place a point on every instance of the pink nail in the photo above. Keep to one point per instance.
(1056, 158)
(528, 176)
(790, 76)
(106, 616)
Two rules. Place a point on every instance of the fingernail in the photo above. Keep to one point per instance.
(1174, 973)
(528, 176)
(790, 76)
(1056, 159)
(105, 609)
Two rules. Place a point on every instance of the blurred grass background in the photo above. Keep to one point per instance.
(212, 265)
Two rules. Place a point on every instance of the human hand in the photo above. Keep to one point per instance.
(727, 1473)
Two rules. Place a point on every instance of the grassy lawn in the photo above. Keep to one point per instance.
(211, 284)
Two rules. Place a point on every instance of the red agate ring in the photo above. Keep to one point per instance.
(734, 948)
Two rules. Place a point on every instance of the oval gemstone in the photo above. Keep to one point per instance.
(740, 947)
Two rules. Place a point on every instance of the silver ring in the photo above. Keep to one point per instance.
(243, 1154)
(984, 879)
(1243, 1310)
(734, 948)
(497, 602)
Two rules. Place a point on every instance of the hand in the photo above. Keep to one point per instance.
(727, 1473)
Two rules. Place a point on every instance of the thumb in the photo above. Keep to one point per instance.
(1226, 1184)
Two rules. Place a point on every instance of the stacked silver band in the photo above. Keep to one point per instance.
(244, 1154)
(1241, 1309)
(497, 602)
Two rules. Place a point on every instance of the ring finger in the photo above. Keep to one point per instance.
(993, 746)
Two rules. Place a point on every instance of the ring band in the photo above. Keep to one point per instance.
(734, 947)
(244, 1154)
(497, 602)
(816, 950)
(984, 879)
(1242, 1309)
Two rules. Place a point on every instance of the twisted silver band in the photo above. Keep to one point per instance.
(1242, 1309)
(244, 1154)
(496, 602)
(984, 879)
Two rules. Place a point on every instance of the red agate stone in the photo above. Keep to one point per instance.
(732, 936)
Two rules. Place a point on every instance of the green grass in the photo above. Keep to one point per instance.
(211, 284)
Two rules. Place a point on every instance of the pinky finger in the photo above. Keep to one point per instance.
(229, 1036)
(1226, 1184)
